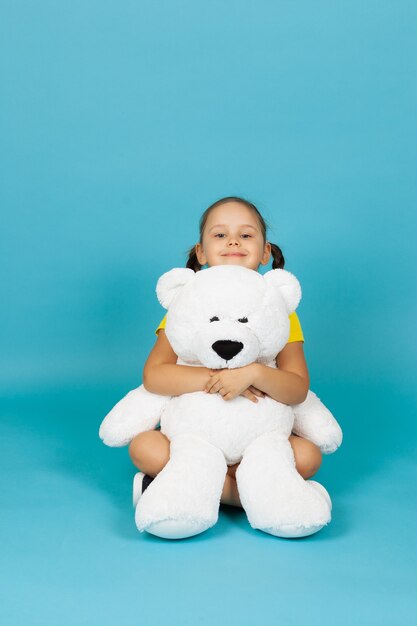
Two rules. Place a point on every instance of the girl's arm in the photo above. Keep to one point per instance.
(290, 383)
(163, 376)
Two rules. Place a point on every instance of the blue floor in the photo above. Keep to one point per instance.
(71, 553)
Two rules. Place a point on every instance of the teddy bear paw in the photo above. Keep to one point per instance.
(292, 517)
(175, 528)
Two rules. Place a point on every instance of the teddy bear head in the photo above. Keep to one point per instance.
(227, 315)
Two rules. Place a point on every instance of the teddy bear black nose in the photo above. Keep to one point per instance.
(227, 349)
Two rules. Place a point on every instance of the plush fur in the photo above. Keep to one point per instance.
(208, 433)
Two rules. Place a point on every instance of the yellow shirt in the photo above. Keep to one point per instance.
(296, 333)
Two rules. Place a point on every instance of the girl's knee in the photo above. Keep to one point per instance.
(307, 456)
(150, 448)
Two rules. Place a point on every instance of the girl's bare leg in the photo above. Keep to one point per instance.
(149, 452)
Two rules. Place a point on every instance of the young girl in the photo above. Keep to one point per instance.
(232, 232)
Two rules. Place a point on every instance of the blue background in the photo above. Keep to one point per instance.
(121, 122)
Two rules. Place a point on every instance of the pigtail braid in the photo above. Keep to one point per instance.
(278, 258)
(192, 262)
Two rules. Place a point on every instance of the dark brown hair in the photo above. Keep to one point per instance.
(278, 257)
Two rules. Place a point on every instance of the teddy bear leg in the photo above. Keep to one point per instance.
(183, 500)
(277, 500)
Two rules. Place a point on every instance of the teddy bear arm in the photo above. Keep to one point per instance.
(137, 412)
(314, 421)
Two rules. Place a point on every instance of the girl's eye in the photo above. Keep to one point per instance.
(221, 235)
(214, 319)
(243, 320)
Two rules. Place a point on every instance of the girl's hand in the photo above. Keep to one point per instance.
(251, 393)
(231, 383)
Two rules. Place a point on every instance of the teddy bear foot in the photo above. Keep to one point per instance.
(295, 531)
(292, 532)
(150, 517)
(322, 491)
(167, 524)
(176, 529)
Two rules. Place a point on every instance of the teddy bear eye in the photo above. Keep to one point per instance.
(243, 320)
(214, 319)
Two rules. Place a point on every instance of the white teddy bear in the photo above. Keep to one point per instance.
(227, 316)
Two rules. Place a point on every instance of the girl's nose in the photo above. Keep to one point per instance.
(233, 241)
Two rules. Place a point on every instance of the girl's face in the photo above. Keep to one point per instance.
(232, 236)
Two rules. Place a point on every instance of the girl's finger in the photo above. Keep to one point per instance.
(215, 387)
(256, 391)
(209, 386)
(247, 394)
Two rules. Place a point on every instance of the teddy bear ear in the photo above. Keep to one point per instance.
(287, 284)
(170, 283)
